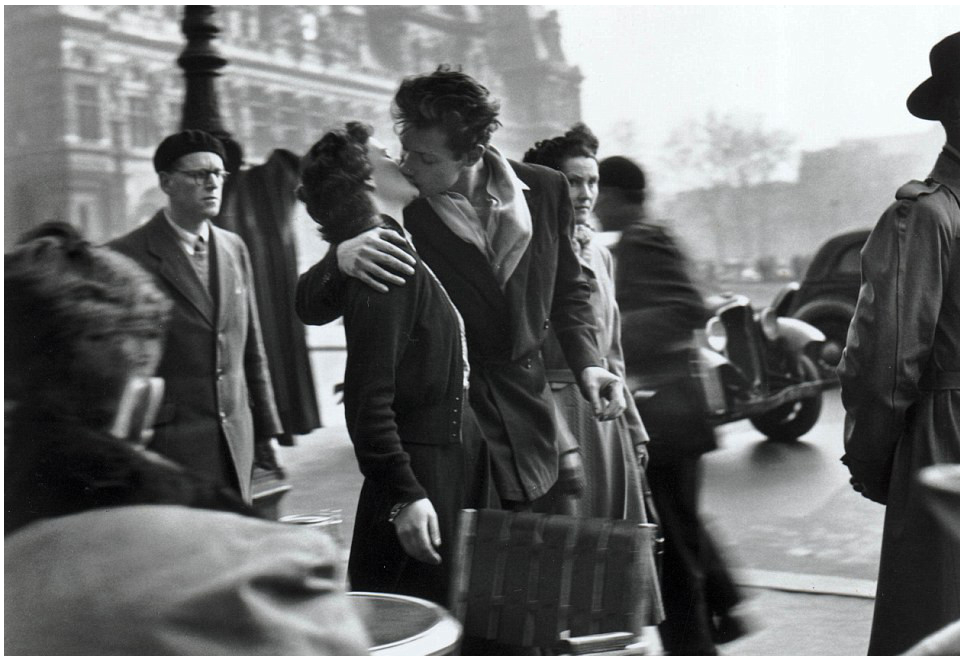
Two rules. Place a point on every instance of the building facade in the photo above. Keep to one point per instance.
(91, 89)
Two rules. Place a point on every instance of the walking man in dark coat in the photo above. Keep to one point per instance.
(218, 400)
(497, 234)
(900, 379)
(661, 307)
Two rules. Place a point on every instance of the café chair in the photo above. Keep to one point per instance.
(562, 584)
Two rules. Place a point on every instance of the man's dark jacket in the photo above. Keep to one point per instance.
(505, 330)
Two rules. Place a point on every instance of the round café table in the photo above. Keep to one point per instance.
(400, 625)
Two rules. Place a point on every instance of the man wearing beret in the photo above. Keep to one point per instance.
(218, 400)
(900, 379)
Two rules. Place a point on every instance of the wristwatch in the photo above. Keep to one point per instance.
(396, 510)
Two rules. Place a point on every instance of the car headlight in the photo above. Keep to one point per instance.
(716, 334)
(768, 323)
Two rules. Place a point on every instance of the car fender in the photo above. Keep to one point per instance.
(816, 309)
(798, 334)
(783, 301)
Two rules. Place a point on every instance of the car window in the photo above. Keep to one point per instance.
(849, 261)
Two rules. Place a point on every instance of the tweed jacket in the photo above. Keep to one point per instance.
(217, 382)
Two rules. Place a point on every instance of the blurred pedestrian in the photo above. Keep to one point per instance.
(110, 548)
(218, 403)
(660, 308)
(613, 453)
(900, 379)
(406, 376)
(490, 229)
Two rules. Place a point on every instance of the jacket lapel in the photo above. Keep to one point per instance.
(228, 283)
(175, 268)
(517, 288)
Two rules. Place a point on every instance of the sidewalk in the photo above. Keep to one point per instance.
(790, 614)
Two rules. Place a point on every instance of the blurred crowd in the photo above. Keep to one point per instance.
(499, 356)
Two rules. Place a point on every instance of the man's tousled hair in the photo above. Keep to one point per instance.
(450, 100)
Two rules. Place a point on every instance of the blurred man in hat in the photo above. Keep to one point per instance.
(661, 308)
(899, 376)
(218, 401)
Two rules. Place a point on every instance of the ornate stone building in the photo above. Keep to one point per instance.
(90, 89)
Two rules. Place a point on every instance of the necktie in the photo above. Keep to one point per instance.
(200, 260)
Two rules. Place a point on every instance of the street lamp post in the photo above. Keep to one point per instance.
(202, 64)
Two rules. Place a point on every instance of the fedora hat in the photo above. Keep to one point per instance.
(925, 101)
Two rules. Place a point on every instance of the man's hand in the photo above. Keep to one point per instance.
(604, 390)
(870, 492)
(417, 530)
(871, 479)
(376, 257)
(572, 475)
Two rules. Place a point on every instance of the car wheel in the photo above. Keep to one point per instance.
(792, 420)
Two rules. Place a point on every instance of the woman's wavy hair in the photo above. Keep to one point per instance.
(577, 141)
(335, 182)
(450, 100)
(78, 319)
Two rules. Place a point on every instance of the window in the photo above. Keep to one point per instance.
(88, 112)
(261, 120)
(849, 261)
(174, 112)
(289, 118)
(141, 123)
(83, 217)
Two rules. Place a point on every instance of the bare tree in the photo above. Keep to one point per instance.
(728, 154)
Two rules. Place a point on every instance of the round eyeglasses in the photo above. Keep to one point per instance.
(200, 177)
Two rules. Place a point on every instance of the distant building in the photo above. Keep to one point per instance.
(91, 89)
(837, 189)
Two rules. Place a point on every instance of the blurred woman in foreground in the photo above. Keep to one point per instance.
(110, 548)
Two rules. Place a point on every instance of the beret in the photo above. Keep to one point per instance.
(186, 142)
(620, 172)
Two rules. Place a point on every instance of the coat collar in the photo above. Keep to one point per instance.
(947, 172)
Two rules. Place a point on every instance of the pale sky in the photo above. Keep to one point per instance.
(821, 73)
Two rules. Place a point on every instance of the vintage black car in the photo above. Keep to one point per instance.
(828, 294)
(761, 366)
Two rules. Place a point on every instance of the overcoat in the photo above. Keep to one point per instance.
(217, 395)
(259, 207)
(505, 330)
(609, 455)
(900, 385)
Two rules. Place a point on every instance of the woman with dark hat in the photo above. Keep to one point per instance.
(405, 379)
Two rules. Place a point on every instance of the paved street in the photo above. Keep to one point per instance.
(804, 545)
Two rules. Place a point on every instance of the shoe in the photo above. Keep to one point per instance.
(728, 627)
